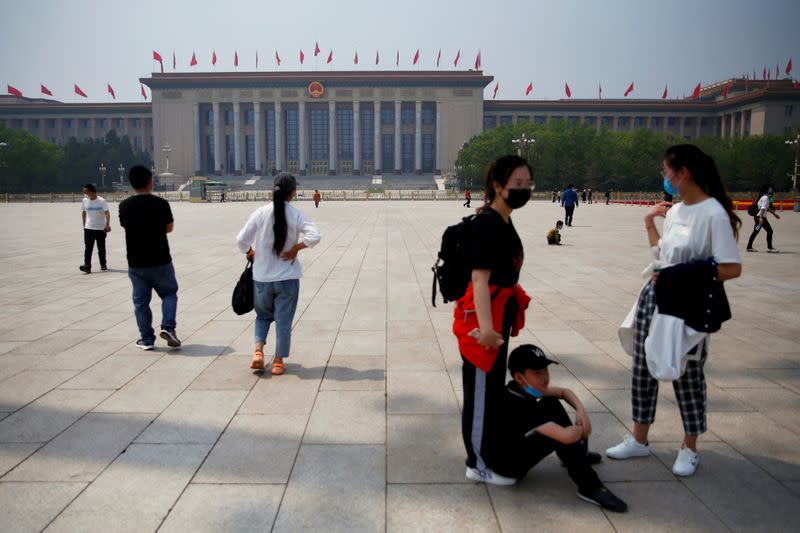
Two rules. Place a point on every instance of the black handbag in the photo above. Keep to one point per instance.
(242, 299)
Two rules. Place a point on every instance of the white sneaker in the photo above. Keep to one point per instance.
(628, 448)
(686, 463)
(487, 476)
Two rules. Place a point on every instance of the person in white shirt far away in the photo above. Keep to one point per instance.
(760, 219)
(96, 223)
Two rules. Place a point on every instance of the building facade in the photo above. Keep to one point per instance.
(382, 122)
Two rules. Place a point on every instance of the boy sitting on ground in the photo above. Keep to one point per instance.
(554, 235)
(537, 425)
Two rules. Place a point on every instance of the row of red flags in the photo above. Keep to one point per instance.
(78, 91)
(193, 62)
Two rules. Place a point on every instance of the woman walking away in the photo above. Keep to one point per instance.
(272, 239)
(760, 218)
(490, 311)
(696, 252)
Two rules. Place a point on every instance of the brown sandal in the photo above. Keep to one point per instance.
(258, 361)
(278, 368)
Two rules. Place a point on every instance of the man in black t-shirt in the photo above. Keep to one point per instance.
(535, 425)
(147, 219)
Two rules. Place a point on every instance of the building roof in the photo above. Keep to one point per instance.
(54, 107)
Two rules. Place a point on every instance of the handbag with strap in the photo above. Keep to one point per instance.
(242, 299)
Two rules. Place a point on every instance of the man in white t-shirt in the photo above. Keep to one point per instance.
(760, 219)
(96, 223)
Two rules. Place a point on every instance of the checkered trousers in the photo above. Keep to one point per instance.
(690, 388)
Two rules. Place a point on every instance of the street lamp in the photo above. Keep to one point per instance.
(102, 170)
(166, 149)
(121, 171)
(522, 143)
(3, 146)
(795, 144)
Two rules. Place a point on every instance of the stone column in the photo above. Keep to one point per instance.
(60, 131)
(356, 138)
(398, 145)
(278, 138)
(92, 128)
(418, 137)
(197, 142)
(438, 147)
(217, 138)
(237, 139)
(741, 124)
(258, 137)
(301, 135)
(697, 127)
(377, 148)
(681, 126)
(332, 159)
(75, 125)
(145, 145)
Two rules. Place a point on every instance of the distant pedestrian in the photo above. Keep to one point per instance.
(317, 198)
(608, 196)
(559, 196)
(555, 196)
(272, 239)
(147, 219)
(96, 224)
(467, 197)
(569, 201)
(584, 192)
(764, 206)
(591, 193)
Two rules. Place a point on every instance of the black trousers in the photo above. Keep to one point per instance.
(756, 231)
(89, 237)
(466, 203)
(568, 210)
(523, 455)
(483, 403)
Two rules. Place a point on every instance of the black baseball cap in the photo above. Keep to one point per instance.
(528, 356)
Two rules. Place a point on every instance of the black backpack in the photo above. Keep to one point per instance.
(753, 209)
(450, 269)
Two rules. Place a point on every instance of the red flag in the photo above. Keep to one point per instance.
(277, 58)
(214, 57)
(355, 59)
(629, 90)
(174, 61)
(377, 58)
(777, 72)
(330, 57)
(458, 56)
(316, 49)
(302, 57)
(235, 58)
(416, 57)
(696, 92)
(789, 67)
(193, 62)
(529, 89)
(397, 59)
(144, 94)
(566, 89)
(46, 91)
(664, 94)
(725, 90)
(110, 91)
(256, 58)
(438, 58)
(478, 61)
(14, 91)
(79, 92)
(494, 94)
(157, 57)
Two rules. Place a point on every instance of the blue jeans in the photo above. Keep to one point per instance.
(276, 301)
(144, 280)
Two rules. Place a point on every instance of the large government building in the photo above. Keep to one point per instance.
(380, 122)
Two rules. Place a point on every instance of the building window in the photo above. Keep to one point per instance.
(51, 123)
(250, 153)
(540, 119)
(137, 144)
(655, 122)
(489, 122)
(703, 122)
(228, 117)
(229, 158)
(344, 134)
(591, 121)
(319, 134)
(101, 122)
(428, 115)
(427, 152)
(292, 137)
(505, 120)
(210, 166)
(209, 117)
(35, 123)
(407, 114)
(367, 126)
(787, 110)
(387, 115)
(270, 125)
(248, 117)
(68, 122)
(688, 121)
(523, 119)
(573, 120)
(120, 123)
(622, 122)
(671, 121)
(84, 123)
(135, 123)
(606, 121)
(639, 122)
(388, 151)
(16, 123)
(407, 152)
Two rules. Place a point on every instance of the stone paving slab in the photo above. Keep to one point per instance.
(363, 432)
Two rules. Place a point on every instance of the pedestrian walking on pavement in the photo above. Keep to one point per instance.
(96, 220)
(569, 201)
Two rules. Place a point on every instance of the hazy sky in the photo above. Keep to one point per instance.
(678, 42)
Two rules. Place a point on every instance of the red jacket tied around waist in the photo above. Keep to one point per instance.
(466, 320)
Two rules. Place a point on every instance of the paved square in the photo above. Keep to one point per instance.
(363, 432)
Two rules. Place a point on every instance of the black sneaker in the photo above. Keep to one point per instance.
(143, 345)
(168, 334)
(752, 250)
(103, 268)
(85, 268)
(604, 498)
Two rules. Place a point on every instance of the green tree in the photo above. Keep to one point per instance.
(27, 164)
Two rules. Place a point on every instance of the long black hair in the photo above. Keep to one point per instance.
(705, 174)
(499, 171)
(285, 185)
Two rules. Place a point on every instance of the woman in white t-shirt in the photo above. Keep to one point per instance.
(760, 219)
(272, 238)
(703, 225)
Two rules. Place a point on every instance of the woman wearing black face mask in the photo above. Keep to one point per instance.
(485, 316)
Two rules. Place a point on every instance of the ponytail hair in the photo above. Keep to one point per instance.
(705, 174)
(285, 185)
